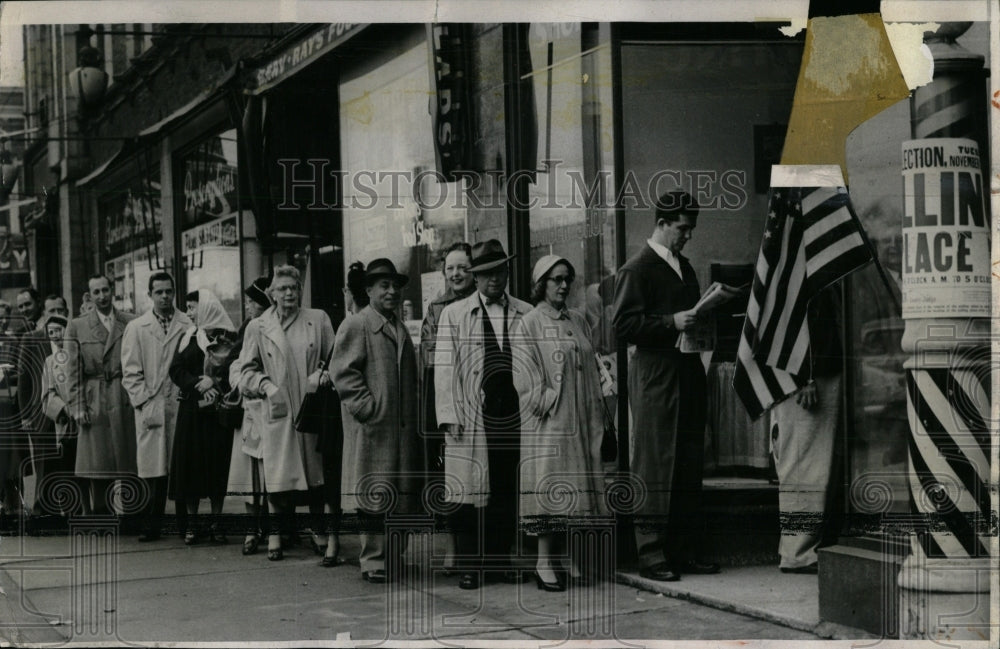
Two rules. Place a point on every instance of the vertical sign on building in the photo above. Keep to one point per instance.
(450, 109)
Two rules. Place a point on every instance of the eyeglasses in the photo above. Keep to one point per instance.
(562, 279)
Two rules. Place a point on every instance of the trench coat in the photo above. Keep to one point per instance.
(58, 393)
(433, 438)
(290, 459)
(146, 356)
(458, 363)
(666, 388)
(106, 447)
(563, 419)
(375, 374)
(32, 349)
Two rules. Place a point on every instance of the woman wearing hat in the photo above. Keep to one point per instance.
(199, 466)
(560, 392)
(375, 375)
(244, 469)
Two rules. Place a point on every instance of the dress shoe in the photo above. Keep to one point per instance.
(548, 586)
(660, 572)
(469, 581)
(696, 567)
(374, 576)
(811, 569)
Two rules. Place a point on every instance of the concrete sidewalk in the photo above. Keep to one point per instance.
(105, 588)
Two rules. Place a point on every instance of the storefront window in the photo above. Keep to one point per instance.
(877, 448)
(394, 204)
(708, 118)
(210, 252)
(131, 218)
(571, 207)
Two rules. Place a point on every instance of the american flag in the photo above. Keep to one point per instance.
(812, 239)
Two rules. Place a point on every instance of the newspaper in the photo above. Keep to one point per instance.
(702, 336)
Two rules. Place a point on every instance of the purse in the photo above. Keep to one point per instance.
(229, 410)
(312, 412)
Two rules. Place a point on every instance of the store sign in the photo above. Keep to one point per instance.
(212, 196)
(449, 76)
(946, 237)
(14, 270)
(132, 220)
(298, 56)
(220, 234)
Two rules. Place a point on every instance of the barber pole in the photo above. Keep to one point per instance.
(946, 303)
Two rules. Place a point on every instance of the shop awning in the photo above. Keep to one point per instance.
(297, 56)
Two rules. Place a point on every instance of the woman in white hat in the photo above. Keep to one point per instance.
(559, 387)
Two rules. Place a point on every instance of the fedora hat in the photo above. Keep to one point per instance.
(487, 255)
(382, 267)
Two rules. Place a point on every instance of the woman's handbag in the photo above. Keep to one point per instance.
(312, 412)
(230, 410)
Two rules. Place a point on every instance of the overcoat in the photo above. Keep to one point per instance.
(666, 388)
(290, 459)
(563, 419)
(14, 445)
(375, 374)
(32, 349)
(106, 447)
(433, 438)
(57, 392)
(146, 355)
(458, 367)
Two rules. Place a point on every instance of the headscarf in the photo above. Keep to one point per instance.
(209, 315)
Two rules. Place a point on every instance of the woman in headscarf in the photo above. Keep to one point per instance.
(199, 467)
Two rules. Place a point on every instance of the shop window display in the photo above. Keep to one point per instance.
(395, 205)
(132, 239)
(210, 253)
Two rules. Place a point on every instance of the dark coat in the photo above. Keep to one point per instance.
(376, 379)
(666, 388)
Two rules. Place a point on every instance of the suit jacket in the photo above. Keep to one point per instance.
(146, 356)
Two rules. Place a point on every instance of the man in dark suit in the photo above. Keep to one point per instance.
(47, 457)
(655, 293)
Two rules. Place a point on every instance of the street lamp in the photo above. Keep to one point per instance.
(88, 80)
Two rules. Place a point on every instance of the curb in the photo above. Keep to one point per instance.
(822, 629)
(20, 626)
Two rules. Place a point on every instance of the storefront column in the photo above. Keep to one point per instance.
(945, 582)
(168, 223)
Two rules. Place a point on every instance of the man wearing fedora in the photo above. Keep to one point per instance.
(478, 408)
(374, 370)
(655, 294)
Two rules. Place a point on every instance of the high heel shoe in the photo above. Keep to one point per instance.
(550, 587)
(190, 537)
(332, 561)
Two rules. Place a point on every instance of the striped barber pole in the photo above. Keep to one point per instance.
(949, 448)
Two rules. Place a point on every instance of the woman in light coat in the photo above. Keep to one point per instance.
(282, 350)
(560, 392)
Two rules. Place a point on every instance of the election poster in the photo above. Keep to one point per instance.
(946, 236)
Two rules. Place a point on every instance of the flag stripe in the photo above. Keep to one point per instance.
(812, 238)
